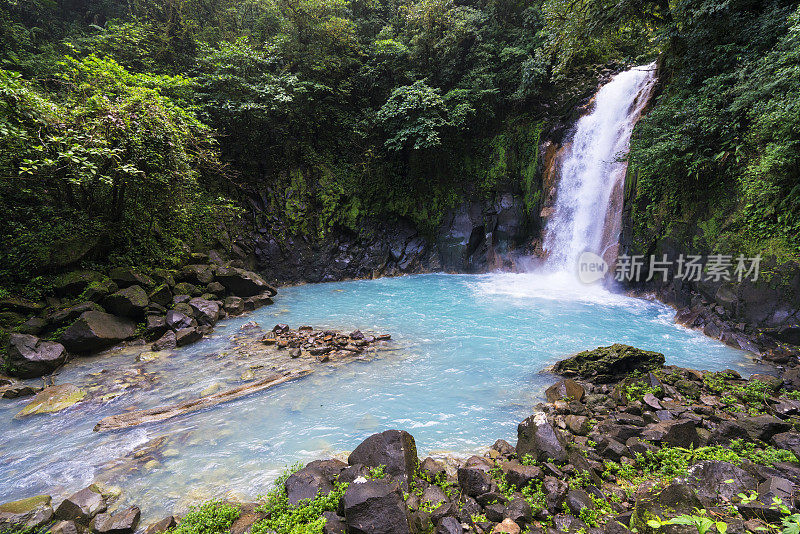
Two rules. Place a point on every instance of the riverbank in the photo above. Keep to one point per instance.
(622, 442)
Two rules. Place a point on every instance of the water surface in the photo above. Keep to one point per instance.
(470, 349)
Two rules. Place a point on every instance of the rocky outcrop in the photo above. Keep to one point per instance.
(96, 330)
(29, 356)
(609, 364)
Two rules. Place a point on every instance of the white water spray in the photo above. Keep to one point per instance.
(588, 208)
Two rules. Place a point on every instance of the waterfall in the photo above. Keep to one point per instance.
(587, 214)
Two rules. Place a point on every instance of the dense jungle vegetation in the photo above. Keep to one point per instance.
(129, 131)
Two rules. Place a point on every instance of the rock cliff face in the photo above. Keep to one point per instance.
(473, 237)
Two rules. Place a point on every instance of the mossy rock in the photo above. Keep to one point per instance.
(24, 506)
(73, 283)
(609, 364)
(53, 399)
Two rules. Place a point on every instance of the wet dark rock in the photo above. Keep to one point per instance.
(95, 330)
(449, 525)
(520, 476)
(331, 469)
(537, 436)
(577, 424)
(333, 524)
(375, 507)
(474, 477)
(185, 288)
(676, 433)
(234, 305)
(243, 283)
(494, 511)
(504, 448)
(609, 364)
(32, 326)
(82, 506)
(29, 513)
(714, 480)
(555, 491)
(394, 449)
(67, 315)
(66, 527)
(177, 320)
(161, 526)
(775, 487)
(196, 274)
(73, 283)
(166, 342)
(763, 427)
(205, 311)
(565, 389)
(351, 473)
(432, 469)
(789, 441)
(129, 302)
(120, 522)
(609, 447)
(578, 499)
(156, 326)
(161, 295)
(307, 483)
(125, 277)
(252, 303)
(30, 357)
(519, 511)
(185, 336)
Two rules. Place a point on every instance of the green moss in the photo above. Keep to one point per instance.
(213, 517)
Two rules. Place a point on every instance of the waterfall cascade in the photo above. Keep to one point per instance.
(587, 213)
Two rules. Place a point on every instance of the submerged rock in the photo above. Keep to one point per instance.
(121, 522)
(609, 364)
(53, 399)
(30, 357)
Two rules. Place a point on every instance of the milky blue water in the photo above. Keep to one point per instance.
(467, 368)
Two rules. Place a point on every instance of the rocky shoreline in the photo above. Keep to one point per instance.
(622, 443)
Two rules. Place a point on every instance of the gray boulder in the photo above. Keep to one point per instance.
(125, 276)
(375, 507)
(29, 513)
(716, 481)
(474, 477)
(565, 389)
(537, 437)
(129, 302)
(196, 274)
(394, 449)
(185, 336)
(121, 522)
(95, 330)
(205, 311)
(243, 283)
(177, 320)
(161, 295)
(676, 433)
(234, 305)
(73, 283)
(166, 342)
(30, 357)
(306, 483)
(82, 506)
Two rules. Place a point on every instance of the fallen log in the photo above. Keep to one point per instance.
(155, 415)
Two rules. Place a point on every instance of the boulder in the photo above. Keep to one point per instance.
(196, 274)
(82, 506)
(716, 481)
(333, 524)
(129, 302)
(789, 441)
(30, 357)
(243, 283)
(763, 427)
(66, 527)
(252, 303)
(185, 336)
(537, 437)
(185, 288)
(166, 342)
(53, 399)
(125, 277)
(177, 320)
(120, 522)
(449, 525)
(95, 330)
(676, 433)
(29, 513)
(609, 364)
(555, 491)
(205, 311)
(577, 499)
(521, 476)
(156, 326)
(161, 295)
(565, 389)
(32, 326)
(306, 483)
(162, 525)
(234, 305)
(97, 291)
(474, 476)
(216, 289)
(506, 526)
(375, 507)
(74, 283)
(68, 315)
(394, 449)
